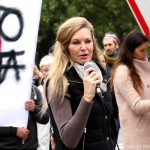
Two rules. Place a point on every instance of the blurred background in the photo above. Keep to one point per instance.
(105, 15)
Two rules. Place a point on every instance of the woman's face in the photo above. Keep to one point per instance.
(81, 46)
(103, 60)
(140, 52)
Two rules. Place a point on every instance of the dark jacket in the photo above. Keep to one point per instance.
(98, 132)
(8, 138)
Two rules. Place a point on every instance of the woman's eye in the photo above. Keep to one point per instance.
(76, 43)
(88, 41)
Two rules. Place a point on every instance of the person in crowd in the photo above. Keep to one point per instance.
(111, 45)
(19, 138)
(79, 100)
(44, 130)
(45, 65)
(104, 63)
(37, 76)
(131, 85)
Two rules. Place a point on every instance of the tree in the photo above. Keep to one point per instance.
(106, 16)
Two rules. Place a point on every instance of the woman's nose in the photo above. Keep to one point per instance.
(83, 46)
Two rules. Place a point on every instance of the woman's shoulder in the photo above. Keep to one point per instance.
(122, 67)
(122, 72)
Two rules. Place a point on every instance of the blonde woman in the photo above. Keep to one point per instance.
(79, 114)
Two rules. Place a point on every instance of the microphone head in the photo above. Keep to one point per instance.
(95, 67)
(88, 65)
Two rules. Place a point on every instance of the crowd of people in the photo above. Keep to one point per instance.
(82, 96)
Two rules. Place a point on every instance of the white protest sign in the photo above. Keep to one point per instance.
(19, 24)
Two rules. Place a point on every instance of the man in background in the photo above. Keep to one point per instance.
(111, 45)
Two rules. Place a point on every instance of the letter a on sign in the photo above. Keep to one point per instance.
(141, 11)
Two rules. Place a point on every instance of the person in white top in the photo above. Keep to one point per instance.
(44, 130)
(45, 65)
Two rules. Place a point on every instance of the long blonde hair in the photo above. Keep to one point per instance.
(62, 60)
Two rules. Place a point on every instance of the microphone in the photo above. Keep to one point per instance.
(88, 65)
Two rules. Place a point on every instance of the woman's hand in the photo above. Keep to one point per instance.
(30, 105)
(90, 80)
(22, 133)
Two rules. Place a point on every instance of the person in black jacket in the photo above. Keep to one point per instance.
(16, 138)
(78, 93)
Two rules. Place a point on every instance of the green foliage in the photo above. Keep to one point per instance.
(105, 15)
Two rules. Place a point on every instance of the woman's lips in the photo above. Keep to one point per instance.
(84, 56)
